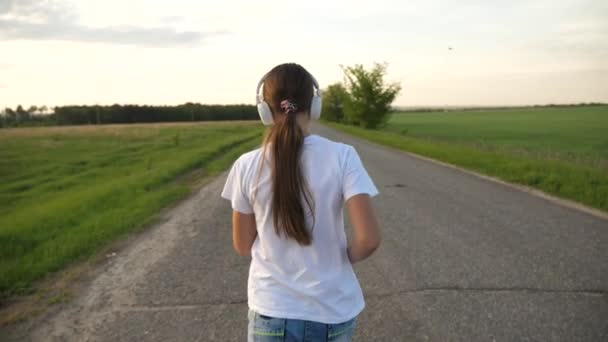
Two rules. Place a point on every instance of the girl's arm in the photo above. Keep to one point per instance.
(366, 234)
(244, 232)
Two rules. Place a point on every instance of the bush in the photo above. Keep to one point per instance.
(334, 98)
(369, 99)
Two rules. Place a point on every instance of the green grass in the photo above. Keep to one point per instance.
(66, 192)
(562, 151)
(577, 134)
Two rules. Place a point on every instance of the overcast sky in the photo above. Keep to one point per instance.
(170, 52)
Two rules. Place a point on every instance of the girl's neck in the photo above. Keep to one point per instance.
(304, 124)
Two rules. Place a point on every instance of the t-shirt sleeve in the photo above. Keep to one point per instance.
(356, 179)
(234, 190)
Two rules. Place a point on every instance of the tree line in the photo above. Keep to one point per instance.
(121, 114)
(363, 99)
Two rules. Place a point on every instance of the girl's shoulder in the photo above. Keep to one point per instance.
(249, 158)
(328, 145)
(324, 151)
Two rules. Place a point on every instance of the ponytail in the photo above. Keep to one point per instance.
(288, 90)
(289, 190)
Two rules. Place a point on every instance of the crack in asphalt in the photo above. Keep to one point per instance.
(148, 307)
(192, 306)
(585, 292)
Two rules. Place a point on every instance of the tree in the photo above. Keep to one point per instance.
(97, 115)
(10, 117)
(370, 98)
(22, 114)
(334, 98)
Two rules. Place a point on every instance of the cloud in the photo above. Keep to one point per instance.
(50, 20)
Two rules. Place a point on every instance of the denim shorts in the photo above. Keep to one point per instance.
(266, 329)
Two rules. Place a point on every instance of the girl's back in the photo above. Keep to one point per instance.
(314, 282)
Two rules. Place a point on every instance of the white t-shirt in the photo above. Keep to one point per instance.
(287, 280)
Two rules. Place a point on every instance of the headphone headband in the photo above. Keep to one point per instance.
(260, 97)
(266, 113)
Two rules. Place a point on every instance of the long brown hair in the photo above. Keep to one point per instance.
(285, 140)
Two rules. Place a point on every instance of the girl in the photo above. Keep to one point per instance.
(288, 199)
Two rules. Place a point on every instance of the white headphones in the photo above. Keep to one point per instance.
(266, 113)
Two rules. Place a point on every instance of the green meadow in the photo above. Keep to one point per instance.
(67, 191)
(559, 150)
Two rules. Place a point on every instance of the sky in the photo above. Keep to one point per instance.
(169, 52)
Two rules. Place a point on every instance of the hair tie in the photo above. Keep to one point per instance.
(289, 107)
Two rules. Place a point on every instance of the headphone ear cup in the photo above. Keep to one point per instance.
(315, 107)
(265, 113)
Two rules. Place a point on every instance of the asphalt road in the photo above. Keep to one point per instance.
(462, 259)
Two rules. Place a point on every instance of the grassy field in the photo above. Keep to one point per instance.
(67, 191)
(562, 151)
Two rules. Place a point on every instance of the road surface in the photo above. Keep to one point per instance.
(462, 259)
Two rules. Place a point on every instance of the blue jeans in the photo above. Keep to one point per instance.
(269, 329)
